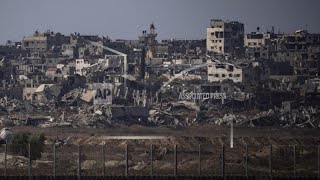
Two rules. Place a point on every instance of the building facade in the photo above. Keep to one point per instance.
(301, 50)
(148, 40)
(40, 43)
(259, 45)
(222, 71)
(225, 37)
(81, 65)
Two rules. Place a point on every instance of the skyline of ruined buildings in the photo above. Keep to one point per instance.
(227, 53)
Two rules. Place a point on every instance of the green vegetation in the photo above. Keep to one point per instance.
(19, 145)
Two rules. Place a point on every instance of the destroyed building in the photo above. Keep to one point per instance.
(40, 43)
(225, 37)
(289, 54)
(148, 76)
(259, 45)
(222, 71)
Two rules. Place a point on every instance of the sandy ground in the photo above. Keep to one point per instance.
(139, 140)
(193, 131)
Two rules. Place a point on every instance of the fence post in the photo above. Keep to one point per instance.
(54, 160)
(5, 159)
(103, 161)
(126, 160)
(29, 161)
(318, 161)
(247, 173)
(199, 159)
(294, 161)
(222, 159)
(270, 161)
(151, 160)
(79, 161)
(175, 173)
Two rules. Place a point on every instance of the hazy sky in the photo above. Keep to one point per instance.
(182, 19)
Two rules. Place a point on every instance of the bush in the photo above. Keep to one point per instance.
(19, 145)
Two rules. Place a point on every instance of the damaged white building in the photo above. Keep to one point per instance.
(222, 71)
(81, 65)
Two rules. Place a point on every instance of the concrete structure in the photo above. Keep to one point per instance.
(81, 65)
(53, 72)
(148, 40)
(12, 52)
(301, 49)
(69, 50)
(40, 43)
(28, 93)
(112, 63)
(256, 40)
(225, 37)
(222, 71)
(178, 58)
(259, 45)
(158, 59)
(35, 94)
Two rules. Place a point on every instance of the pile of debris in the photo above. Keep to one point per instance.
(12, 105)
(73, 107)
(302, 117)
(181, 113)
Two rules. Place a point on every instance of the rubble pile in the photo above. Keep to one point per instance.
(13, 105)
(181, 113)
(88, 118)
(301, 117)
(68, 105)
(169, 113)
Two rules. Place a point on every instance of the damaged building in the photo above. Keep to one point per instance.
(225, 37)
(223, 71)
(259, 79)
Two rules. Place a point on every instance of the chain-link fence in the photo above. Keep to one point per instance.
(146, 159)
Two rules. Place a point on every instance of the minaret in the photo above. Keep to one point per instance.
(152, 29)
(151, 42)
(152, 35)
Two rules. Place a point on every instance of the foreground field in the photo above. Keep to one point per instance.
(294, 151)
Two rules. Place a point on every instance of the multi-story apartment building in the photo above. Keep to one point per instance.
(225, 37)
(41, 43)
(222, 71)
(301, 49)
(259, 45)
(81, 65)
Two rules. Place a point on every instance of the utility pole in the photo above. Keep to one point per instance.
(232, 111)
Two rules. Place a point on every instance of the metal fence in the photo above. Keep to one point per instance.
(168, 160)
